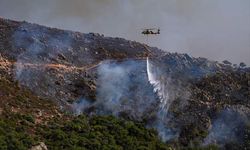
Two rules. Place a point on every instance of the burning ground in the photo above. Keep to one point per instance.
(189, 102)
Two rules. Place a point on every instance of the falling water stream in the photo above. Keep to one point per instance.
(157, 80)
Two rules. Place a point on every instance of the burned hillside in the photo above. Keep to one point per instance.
(190, 102)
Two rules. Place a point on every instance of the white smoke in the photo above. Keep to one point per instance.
(80, 105)
(113, 84)
(122, 88)
(227, 126)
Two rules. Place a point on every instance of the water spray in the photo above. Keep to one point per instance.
(156, 79)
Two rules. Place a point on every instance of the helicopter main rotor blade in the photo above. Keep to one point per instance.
(150, 29)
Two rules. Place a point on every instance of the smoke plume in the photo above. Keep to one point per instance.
(138, 90)
(122, 87)
(227, 127)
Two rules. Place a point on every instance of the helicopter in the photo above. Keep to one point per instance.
(150, 31)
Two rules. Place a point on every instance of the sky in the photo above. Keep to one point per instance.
(215, 29)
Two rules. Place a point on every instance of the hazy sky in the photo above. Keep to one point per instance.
(216, 29)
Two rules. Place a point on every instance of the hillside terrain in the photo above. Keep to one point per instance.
(68, 90)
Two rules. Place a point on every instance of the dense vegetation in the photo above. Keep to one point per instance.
(79, 133)
(101, 133)
(20, 127)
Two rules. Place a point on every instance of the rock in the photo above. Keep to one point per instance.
(39, 113)
(242, 65)
(61, 56)
(41, 146)
(226, 62)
